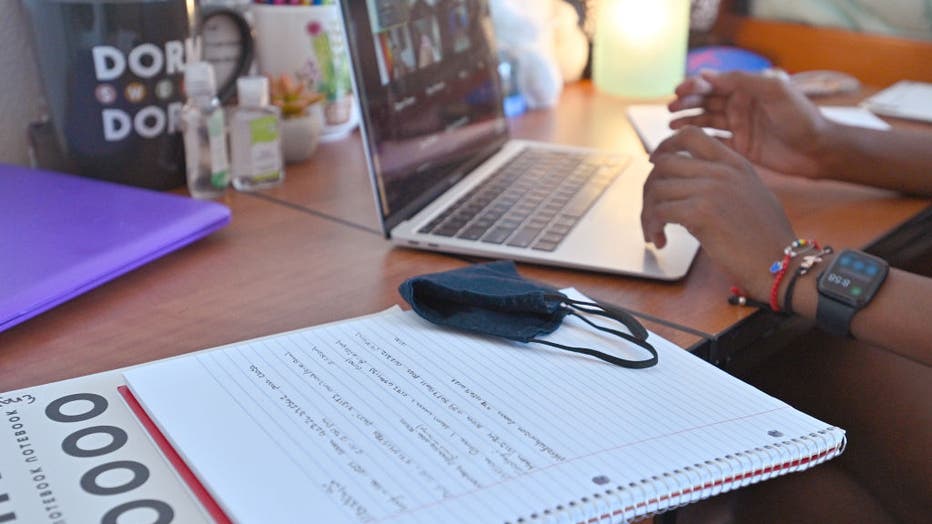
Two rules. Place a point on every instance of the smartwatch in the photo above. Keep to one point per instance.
(846, 286)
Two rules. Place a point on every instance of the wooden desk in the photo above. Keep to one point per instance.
(275, 268)
(837, 213)
(310, 252)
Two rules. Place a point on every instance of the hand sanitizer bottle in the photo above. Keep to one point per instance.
(255, 130)
(205, 141)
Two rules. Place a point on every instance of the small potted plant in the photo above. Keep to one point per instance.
(332, 79)
(302, 116)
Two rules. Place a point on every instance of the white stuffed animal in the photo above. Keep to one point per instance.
(570, 42)
(546, 42)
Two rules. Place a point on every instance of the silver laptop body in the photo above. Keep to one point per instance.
(433, 130)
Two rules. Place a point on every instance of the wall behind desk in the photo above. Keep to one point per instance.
(20, 88)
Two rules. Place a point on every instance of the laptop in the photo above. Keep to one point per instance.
(62, 235)
(447, 177)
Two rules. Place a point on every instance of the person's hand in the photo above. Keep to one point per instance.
(717, 196)
(772, 124)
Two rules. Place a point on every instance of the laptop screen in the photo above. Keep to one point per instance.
(429, 92)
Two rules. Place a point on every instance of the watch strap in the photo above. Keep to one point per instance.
(834, 316)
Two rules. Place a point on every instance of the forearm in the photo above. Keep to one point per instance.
(899, 318)
(896, 159)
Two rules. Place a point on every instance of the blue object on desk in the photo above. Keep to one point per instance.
(493, 299)
(725, 58)
(515, 104)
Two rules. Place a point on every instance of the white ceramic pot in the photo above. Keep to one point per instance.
(340, 118)
(300, 135)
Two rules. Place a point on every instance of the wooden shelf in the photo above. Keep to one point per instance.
(875, 60)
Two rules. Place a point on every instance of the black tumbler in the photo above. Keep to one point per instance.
(112, 72)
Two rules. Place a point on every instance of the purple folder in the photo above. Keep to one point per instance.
(62, 235)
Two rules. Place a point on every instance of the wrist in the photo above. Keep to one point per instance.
(800, 293)
(798, 258)
(806, 296)
(832, 150)
(796, 261)
(850, 153)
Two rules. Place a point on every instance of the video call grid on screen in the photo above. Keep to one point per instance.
(408, 34)
(432, 96)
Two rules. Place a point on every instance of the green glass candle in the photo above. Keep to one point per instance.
(639, 50)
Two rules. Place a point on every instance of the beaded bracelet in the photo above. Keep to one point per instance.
(804, 267)
(778, 270)
(779, 267)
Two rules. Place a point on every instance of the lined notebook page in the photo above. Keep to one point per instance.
(387, 418)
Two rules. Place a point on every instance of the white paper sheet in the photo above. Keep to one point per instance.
(652, 121)
(904, 99)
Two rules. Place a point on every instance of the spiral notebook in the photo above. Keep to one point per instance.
(387, 418)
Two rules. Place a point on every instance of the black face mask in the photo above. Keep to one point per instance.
(493, 299)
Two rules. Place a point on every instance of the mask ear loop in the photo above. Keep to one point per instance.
(638, 334)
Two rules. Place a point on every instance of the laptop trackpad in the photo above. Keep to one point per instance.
(610, 236)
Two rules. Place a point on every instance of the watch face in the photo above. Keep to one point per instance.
(853, 277)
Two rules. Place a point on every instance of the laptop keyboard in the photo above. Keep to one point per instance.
(533, 201)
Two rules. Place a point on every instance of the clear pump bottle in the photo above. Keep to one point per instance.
(204, 131)
(255, 137)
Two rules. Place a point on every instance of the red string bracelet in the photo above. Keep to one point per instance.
(778, 269)
(740, 298)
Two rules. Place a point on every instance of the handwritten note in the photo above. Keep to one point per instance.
(365, 418)
(386, 418)
(24, 399)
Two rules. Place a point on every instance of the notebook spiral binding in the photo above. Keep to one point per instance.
(679, 487)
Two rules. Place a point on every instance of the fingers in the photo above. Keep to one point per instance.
(662, 188)
(689, 168)
(733, 81)
(661, 213)
(707, 84)
(686, 102)
(663, 196)
(693, 101)
(653, 222)
(738, 121)
(696, 143)
(712, 83)
(694, 85)
(725, 98)
(713, 120)
(708, 93)
(675, 184)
